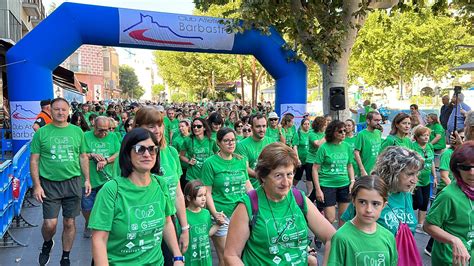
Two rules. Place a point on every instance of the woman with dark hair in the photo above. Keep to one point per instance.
(315, 140)
(215, 121)
(226, 178)
(184, 127)
(197, 148)
(350, 139)
(333, 174)
(78, 119)
(302, 145)
(270, 225)
(232, 119)
(238, 127)
(137, 204)
(289, 130)
(170, 171)
(451, 218)
(128, 125)
(401, 127)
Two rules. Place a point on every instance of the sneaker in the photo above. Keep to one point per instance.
(65, 261)
(317, 243)
(427, 252)
(419, 229)
(87, 233)
(44, 255)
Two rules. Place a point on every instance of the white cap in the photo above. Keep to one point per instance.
(272, 115)
(160, 108)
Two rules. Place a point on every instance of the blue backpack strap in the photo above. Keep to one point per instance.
(254, 204)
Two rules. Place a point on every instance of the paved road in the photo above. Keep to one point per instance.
(81, 253)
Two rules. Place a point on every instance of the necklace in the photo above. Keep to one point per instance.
(288, 223)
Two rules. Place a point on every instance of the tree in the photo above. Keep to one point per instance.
(129, 82)
(391, 50)
(324, 31)
(156, 91)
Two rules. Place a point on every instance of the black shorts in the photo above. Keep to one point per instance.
(421, 197)
(307, 168)
(66, 194)
(333, 195)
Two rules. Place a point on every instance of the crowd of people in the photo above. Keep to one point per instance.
(190, 174)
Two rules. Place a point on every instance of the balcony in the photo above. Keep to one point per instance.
(32, 8)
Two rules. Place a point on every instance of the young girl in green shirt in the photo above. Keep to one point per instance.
(362, 240)
(200, 225)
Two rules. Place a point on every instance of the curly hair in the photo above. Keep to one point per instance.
(332, 128)
(318, 124)
(393, 161)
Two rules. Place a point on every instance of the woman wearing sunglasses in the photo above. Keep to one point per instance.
(239, 126)
(451, 218)
(131, 215)
(170, 171)
(333, 175)
(197, 148)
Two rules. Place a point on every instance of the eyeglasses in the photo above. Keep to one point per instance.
(102, 130)
(197, 126)
(464, 167)
(140, 150)
(227, 141)
(247, 130)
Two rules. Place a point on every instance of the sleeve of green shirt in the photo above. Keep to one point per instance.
(102, 215)
(207, 174)
(175, 155)
(385, 143)
(440, 210)
(35, 146)
(358, 142)
(337, 255)
(444, 161)
(83, 142)
(164, 188)
(320, 155)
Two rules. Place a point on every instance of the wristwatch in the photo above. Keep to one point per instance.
(178, 258)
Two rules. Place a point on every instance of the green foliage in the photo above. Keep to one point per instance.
(129, 82)
(156, 90)
(404, 45)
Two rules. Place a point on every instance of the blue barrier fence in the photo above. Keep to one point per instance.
(15, 181)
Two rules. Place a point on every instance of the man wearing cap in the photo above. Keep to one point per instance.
(274, 128)
(44, 117)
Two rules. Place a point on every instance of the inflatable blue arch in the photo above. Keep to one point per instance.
(32, 60)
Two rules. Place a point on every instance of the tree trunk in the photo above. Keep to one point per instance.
(254, 83)
(241, 69)
(335, 73)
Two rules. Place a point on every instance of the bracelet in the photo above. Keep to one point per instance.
(185, 228)
(178, 258)
(107, 160)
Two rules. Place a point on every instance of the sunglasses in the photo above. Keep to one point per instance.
(239, 126)
(273, 119)
(464, 167)
(140, 150)
(247, 130)
(112, 128)
(197, 126)
(341, 132)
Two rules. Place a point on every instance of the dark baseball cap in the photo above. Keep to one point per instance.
(45, 102)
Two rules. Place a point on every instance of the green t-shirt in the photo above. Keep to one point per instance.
(351, 246)
(199, 252)
(171, 171)
(312, 150)
(280, 234)
(394, 140)
(178, 142)
(368, 144)
(428, 155)
(200, 150)
(273, 133)
(290, 136)
(351, 142)
(333, 160)
(239, 137)
(134, 217)
(227, 179)
(444, 166)
(167, 123)
(229, 124)
(174, 126)
(451, 211)
(59, 149)
(399, 208)
(214, 135)
(437, 129)
(302, 141)
(363, 116)
(251, 149)
(106, 147)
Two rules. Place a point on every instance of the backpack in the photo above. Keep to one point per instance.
(254, 202)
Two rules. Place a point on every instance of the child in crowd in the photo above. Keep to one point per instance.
(362, 241)
(201, 228)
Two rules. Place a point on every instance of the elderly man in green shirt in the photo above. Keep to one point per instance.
(57, 159)
(102, 147)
